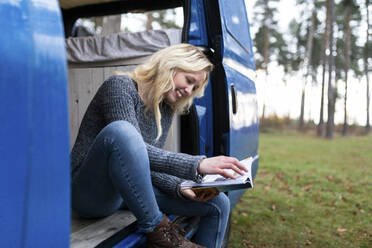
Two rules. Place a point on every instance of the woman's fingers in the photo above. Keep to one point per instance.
(201, 196)
(187, 192)
(232, 167)
(215, 165)
(237, 163)
(207, 196)
(225, 174)
(210, 196)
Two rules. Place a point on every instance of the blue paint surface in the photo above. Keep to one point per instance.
(197, 36)
(236, 32)
(204, 110)
(243, 124)
(237, 50)
(243, 136)
(34, 148)
(197, 33)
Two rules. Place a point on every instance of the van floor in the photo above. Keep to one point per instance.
(91, 232)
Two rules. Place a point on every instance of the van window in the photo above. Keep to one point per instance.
(129, 22)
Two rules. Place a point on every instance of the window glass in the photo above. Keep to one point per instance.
(129, 22)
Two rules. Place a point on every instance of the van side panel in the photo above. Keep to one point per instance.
(196, 32)
(239, 66)
(34, 148)
(13, 116)
(236, 33)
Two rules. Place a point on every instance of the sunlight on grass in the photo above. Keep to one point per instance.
(309, 192)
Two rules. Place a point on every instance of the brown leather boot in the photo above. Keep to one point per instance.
(166, 235)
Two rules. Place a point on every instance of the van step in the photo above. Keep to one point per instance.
(91, 232)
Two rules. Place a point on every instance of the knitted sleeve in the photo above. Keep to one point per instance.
(178, 164)
(168, 184)
(118, 104)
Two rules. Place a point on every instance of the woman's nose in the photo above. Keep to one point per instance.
(188, 90)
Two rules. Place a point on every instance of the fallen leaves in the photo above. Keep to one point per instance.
(307, 187)
(279, 176)
(359, 207)
(330, 178)
(246, 243)
(285, 188)
(273, 207)
(342, 198)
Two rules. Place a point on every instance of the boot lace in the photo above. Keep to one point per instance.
(179, 228)
(172, 236)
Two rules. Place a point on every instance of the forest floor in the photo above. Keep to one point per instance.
(309, 192)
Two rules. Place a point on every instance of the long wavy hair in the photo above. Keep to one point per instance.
(155, 77)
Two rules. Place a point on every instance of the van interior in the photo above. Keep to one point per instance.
(94, 54)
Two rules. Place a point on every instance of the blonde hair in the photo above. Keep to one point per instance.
(155, 77)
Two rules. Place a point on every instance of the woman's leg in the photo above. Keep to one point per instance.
(116, 168)
(214, 215)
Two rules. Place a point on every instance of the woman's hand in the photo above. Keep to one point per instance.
(202, 197)
(216, 165)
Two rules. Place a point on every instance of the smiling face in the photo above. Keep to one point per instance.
(185, 83)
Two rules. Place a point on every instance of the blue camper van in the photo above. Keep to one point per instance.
(48, 75)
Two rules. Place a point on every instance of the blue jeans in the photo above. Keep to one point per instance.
(116, 171)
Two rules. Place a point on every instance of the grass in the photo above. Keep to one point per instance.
(309, 192)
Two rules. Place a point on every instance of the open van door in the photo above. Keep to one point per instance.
(234, 93)
(225, 120)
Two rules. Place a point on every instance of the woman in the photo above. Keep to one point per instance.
(118, 157)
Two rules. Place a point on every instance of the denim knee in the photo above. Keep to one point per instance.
(122, 134)
(221, 205)
(224, 203)
(120, 129)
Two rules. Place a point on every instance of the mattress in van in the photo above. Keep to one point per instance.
(123, 47)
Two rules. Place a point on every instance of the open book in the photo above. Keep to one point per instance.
(217, 183)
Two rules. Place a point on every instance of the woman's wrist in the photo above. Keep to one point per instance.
(198, 175)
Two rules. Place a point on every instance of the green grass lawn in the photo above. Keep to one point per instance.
(309, 192)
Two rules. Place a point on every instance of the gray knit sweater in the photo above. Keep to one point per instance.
(118, 99)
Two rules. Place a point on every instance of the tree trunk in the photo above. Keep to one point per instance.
(368, 127)
(301, 123)
(347, 63)
(111, 24)
(266, 51)
(344, 128)
(307, 64)
(266, 37)
(331, 85)
(320, 130)
(149, 21)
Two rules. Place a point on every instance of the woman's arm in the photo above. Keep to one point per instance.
(118, 101)
(178, 164)
(167, 184)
